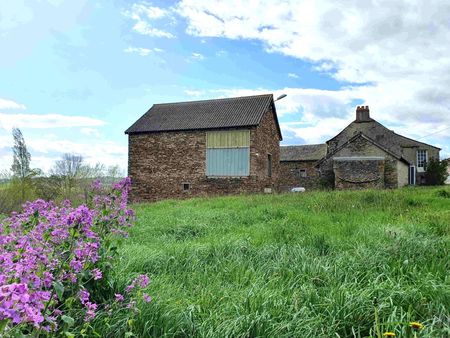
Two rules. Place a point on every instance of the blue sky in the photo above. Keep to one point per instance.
(76, 74)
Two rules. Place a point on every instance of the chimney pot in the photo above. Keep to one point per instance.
(362, 114)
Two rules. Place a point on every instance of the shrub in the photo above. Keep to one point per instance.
(56, 263)
(436, 173)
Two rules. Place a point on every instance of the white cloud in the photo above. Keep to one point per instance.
(142, 51)
(151, 12)
(144, 15)
(8, 121)
(293, 75)
(324, 67)
(197, 56)
(195, 93)
(221, 53)
(9, 104)
(105, 152)
(90, 132)
(397, 51)
(138, 50)
(46, 150)
(144, 28)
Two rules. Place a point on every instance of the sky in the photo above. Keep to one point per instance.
(75, 74)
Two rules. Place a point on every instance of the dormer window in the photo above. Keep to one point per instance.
(422, 158)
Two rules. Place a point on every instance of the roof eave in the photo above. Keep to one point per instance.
(188, 129)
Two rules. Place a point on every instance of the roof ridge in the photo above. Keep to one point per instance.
(363, 135)
(303, 145)
(206, 100)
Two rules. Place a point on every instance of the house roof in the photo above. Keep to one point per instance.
(358, 135)
(382, 135)
(233, 112)
(309, 152)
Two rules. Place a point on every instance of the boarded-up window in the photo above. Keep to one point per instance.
(228, 153)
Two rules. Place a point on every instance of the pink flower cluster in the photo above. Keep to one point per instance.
(48, 252)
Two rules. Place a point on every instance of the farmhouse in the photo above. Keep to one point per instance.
(229, 146)
(223, 146)
(363, 155)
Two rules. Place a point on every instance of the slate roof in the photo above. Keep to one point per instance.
(355, 137)
(233, 112)
(309, 152)
(379, 133)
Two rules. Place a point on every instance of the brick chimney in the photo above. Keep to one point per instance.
(362, 114)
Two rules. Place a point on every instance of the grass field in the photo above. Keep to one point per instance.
(319, 264)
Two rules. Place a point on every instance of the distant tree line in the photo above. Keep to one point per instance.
(69, 178)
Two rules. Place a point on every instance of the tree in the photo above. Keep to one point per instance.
(436, 173)
(21, 160)
(68, 169)
(22, 173)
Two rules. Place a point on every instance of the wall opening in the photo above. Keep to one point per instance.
(269, 165)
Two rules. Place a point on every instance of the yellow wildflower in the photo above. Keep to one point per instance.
(416, 325)
(389, 334)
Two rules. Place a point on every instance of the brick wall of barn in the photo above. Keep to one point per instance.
(290, 175)
(160, 163)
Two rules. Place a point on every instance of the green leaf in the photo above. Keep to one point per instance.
(59, 289)
(69, 334)
(129, 334)
(3, 324)
(68, 320)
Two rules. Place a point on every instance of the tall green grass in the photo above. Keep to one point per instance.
(318, 264)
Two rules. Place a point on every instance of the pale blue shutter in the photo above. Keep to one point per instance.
(228, 153)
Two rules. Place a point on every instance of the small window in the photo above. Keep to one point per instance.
(299, 172)
(422, 158)
(186, 186)
(269, 165)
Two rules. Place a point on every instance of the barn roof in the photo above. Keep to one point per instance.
(309, 152)
(233, 112)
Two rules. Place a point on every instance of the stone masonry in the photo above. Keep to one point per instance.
(291, 175)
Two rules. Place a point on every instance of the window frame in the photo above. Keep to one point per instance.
(419, 159)
(183, 186)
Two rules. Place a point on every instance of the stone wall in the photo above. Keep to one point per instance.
(359, 173)
(290, 176)
(361, 147)
(160, 164)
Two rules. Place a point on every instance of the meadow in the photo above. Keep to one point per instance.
(318, 264)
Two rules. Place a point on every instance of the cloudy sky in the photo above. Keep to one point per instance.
(75, 74)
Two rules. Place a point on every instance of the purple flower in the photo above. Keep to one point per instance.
(83, 295)
(146, 298)
(119, 297)
(97, 274)
(143, 281)
(97, 185)
(47, 248)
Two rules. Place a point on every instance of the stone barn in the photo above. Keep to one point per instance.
(209, 147)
